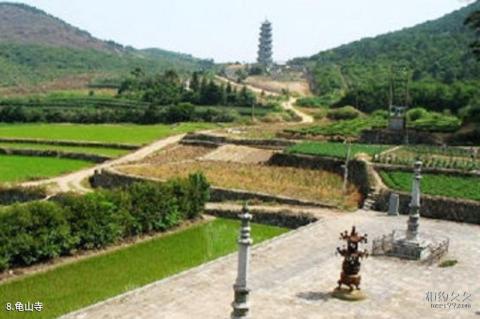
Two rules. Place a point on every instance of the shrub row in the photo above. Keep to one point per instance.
(344, 113)
(149, 115)
(39, 231)
(72, 102)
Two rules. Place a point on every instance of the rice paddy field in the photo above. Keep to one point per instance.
(286, 181)
(336, 149)
(14, 169)
(436, 184)
(108, 133)
(82, 283)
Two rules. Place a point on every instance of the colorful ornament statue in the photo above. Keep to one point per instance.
(350, 275)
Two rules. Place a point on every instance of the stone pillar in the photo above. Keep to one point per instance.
(393, 204)
(414, 216)
(241, 305)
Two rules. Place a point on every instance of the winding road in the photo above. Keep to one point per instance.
(287, 105)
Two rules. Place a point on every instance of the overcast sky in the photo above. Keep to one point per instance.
(227, 30)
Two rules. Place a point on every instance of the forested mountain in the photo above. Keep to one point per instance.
(436, 54)
(37, 47)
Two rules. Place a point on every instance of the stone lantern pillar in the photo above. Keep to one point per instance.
(241, 305)
(414, 216)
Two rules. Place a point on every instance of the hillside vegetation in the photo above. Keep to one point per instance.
(36, 47)
(437, 55)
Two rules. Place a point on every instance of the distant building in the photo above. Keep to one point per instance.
(397, 120)
(265, 46)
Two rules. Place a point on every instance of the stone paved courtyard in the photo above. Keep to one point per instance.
(292, 276)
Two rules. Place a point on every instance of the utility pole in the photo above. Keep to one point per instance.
(345, 169)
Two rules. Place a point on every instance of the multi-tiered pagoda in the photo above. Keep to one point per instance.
(265, 46)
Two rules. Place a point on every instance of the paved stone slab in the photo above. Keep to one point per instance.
(293, 275)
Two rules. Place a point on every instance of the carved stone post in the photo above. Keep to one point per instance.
(393, 204)
(414, 216)
(241, 305)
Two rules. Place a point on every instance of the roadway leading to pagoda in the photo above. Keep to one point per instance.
(292, 276)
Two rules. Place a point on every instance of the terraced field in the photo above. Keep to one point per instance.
(21, 168)
(336, 149)
(108, 133)
(436, 184)
(285, 181)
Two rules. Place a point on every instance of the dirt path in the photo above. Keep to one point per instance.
(73, 181)
(287, 105)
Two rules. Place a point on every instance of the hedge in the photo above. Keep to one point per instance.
(39, 231)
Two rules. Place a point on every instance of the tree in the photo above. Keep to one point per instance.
(195, 82)
(473, 21)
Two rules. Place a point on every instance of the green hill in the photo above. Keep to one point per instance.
(444, 72)
(36, 47)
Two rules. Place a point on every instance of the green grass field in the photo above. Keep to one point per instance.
(109, 133)
(335, 149)
(111, 152)
(15, 168)
(436, 184)
(80, 284)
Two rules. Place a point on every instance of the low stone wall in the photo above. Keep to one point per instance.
(283, 218)
(70, 143)
(110, 178)
(428, 170)
(206, 139)
(13, 195)
(50, 153)
(357, 170)
(391, 137)
(437, 207)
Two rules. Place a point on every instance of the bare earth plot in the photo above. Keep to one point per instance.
(238, 154)
(292, 276)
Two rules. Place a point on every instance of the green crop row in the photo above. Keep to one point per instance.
(428, 161)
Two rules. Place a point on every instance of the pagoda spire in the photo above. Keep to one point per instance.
(265, 45)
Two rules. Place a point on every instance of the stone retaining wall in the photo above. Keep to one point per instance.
(208, 139)
(391, 137)
(110, 178)
(437, 207)
(9, 196)
(51, 153)
(70, 143)
(283, 218)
